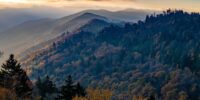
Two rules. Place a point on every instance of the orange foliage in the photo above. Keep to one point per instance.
(6, 94)
(96, 94)
(139, 98)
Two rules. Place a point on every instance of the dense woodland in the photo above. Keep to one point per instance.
(158, 58)
(16, 85)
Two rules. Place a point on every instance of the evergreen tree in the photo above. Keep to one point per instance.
(151, 98)
(15, 78)
(38, 82)
(49, 85)
(40, 87)
(46, 86)
(67, 91)
(80, 91)
(1, 79)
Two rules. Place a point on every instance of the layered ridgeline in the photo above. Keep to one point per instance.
(26, 30)
(158, 56)
(31, 33)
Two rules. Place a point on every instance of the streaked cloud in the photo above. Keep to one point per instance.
(190, 5)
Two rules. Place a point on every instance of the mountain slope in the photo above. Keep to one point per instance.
(94, 25)
(75, 23)
(31, 33)
(158, 57)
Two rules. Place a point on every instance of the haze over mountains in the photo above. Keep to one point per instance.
(24, 30)
(11, 17)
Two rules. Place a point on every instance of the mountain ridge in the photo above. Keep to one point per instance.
(33, 32)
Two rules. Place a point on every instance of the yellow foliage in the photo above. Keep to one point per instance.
(99, 94)
(6, 94)
(80, 98)
(139, 98)
(37, 98)
(96, 94)
(182, 95)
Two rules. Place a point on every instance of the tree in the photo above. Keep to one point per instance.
(15, 78)
(45, 87)
(70, 91)
(67, 91)
(49, 85)
(1, 53)
(80, 91)
(39, 88)
(151, 98)
(183, 96)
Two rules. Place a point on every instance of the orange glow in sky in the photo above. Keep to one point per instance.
(190, 5)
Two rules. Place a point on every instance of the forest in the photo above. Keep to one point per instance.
(155, 59)
(16, 85)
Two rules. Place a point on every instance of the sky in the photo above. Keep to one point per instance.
(188, 5)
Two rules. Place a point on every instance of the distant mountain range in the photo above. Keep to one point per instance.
(13, 17)
(10, 17)
(35, 31)
(127, 15)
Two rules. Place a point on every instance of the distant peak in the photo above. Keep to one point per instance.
(89, 14)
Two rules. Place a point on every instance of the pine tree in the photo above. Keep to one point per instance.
(40, 87)
(80, 91)
(46, 86)
(151, 98)
(15, 78)
(49, 85)
(67, 91)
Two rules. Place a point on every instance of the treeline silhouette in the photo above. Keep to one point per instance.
(16, 85)
(14, 79)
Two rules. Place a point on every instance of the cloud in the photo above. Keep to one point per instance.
(71, 4)
(191, 5)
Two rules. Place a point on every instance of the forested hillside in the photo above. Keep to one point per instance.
(159, 56)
